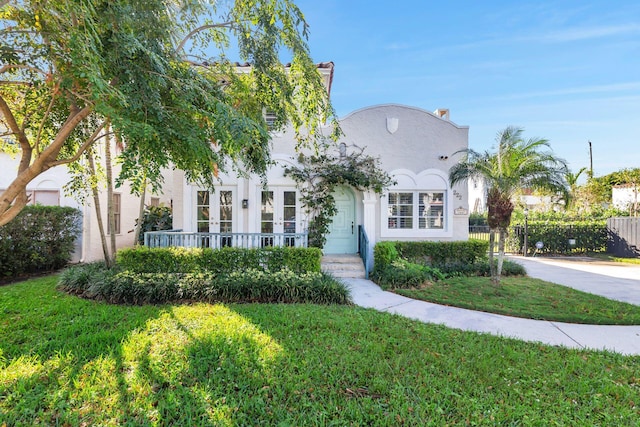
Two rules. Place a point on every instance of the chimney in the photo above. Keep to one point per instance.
(443, 113)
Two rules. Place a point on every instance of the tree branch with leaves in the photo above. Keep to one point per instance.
(68, 65)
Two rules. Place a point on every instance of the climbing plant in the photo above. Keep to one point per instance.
(320, 174)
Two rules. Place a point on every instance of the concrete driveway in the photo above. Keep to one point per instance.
(612, 280)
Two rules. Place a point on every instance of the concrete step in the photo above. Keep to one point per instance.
(350, 266)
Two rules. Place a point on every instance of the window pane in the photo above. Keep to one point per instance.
(400, 213)
(266, 222)
(431, 210)
(290, 198)
(203, 198)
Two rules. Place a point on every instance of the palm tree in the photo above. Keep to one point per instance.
(517, 163)
(572, 182)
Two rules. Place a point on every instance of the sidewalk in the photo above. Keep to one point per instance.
(621, 339)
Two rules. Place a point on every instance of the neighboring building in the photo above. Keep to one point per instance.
(415, 146)
(625, 197)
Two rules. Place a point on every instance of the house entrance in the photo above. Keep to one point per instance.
(279, 214)
(343, 237)
(215, 213)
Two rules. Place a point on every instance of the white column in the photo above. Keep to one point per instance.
(370, 204)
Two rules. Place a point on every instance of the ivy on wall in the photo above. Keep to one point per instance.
(320, 174)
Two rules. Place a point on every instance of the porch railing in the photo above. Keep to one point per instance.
(363, 250)
(163, 239)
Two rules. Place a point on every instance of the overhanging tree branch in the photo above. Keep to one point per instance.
(200, 29)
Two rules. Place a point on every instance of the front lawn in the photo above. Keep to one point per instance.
(68, 361)
(527, 297)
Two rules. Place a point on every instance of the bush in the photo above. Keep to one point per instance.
(481, 268)
(437, 254)
(155, 218)
(40, 238)
(410, 264)
(218, 261)
(403, 274)
(384, 253)
(243, 285)
(589, 236)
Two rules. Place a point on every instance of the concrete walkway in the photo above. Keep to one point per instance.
(621, 282)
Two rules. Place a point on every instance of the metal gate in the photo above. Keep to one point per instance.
(624, 237)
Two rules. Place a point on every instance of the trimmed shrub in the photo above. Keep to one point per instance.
(384, 253)
(481, 268)
(243, 285)
(410, 264)
(403, 274)
(40, 238)
(440, 253)
(589, 236)
(218, 261)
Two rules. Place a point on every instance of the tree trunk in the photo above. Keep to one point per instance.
(136, 235)
(96, 201)
(110, 213)
(502, 232)
(492, 244)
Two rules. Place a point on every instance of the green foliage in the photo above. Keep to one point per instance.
(321, 174)
(384, 253)
(218, 261)
(441, 253)
(589, 236)
(517, 163)
(403, 274)
(67, 69)
(477, 219)
(155, 218)
(480, 268)
(40, 238)
(95, 281)
(411, 264)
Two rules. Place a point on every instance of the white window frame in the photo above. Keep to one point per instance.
(429, 181)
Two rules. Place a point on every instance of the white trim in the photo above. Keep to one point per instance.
(429, 180)
(406, 107)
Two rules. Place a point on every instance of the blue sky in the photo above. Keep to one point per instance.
(567, 71)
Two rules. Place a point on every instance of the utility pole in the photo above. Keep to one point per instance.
(590, 160)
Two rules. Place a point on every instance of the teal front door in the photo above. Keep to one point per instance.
(343, 231)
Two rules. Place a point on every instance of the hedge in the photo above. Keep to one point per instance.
(218, 261)
(441, 253)
(411, 264)
(40, 238)
(589, 236)
(95, 281)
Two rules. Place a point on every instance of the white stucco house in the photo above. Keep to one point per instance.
(415, 147)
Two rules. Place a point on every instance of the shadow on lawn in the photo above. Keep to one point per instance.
(69, 361)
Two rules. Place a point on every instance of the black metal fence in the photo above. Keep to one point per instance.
(556, 239)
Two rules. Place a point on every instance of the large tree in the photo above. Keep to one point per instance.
(516, 163)
(157, 70)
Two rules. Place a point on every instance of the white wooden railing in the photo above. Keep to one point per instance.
(185, 239)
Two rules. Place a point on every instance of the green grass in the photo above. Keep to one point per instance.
(529, 298)
(68, 361)
(612, 258)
